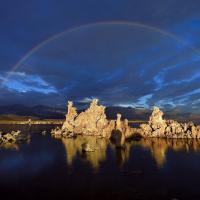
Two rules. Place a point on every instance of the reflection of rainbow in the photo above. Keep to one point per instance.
(139, 25)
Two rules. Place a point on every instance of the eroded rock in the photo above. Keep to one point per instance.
(70, 118)
(9, 140)
(92, 121)
(158, 127)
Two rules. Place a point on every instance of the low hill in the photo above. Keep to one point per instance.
(21, 112)
(13, 117)
(39, 111)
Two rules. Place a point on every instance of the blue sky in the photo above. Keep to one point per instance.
(120, 63)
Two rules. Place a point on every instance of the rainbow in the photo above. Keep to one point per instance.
(70, 30)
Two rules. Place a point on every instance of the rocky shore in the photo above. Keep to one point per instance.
(93, 122)
(10, 140)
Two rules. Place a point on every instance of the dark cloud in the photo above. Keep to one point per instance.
(8, 97)
(120, 64)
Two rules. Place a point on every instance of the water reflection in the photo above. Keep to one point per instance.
(25, 135)
(157, 146)
(10, 146)
(31, 167)
(16, 143)
(74, 147)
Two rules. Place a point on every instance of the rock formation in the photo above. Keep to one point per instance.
(92, 121)
(118, 122)
(158, 127)
(121, 132)
(70, 117)
(9, 140)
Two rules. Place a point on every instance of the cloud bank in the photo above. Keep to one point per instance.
(120, 64)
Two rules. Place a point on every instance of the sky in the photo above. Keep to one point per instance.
(124, 52)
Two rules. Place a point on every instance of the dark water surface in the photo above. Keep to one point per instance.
(48, 168)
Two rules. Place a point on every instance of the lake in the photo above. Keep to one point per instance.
(45, 167)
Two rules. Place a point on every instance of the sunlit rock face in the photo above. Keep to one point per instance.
(158, 127)
(92, 121)
(156, 121)
(70, 117)
(123, 127)
(121, 132)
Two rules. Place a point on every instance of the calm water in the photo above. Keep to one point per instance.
(51, 168)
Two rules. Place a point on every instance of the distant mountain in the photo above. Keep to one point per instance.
(38, 111)
(13, 117)
(128, 112)
(46, 112)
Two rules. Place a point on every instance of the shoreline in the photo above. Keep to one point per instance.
(51, 121)
(33, 122)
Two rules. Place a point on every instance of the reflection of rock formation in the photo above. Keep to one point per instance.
(160, 146)
(158, 127)
(118, 138)
(122, 154)
(157, 146)
(74, 147)
(10, 146)
(91, 125)
(99, 155)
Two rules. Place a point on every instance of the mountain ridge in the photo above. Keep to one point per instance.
(47, 112)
